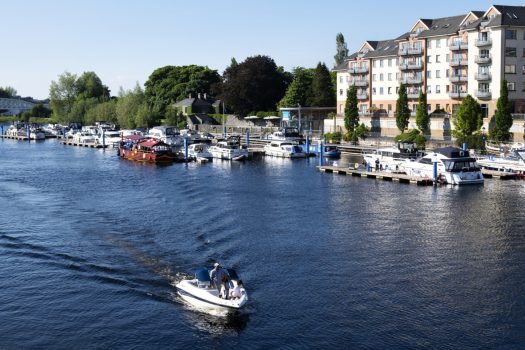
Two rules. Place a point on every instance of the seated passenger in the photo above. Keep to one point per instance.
(235, 293)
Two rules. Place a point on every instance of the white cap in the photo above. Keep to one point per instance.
(216, 264)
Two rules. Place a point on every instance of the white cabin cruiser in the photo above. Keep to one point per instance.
(285, 149)
(513, 162)
(391, 158)
(109, 137)
(230, 149)
(199, 151)
(200, 292)
(36, 133)
(453, 164)
(166, 134)
(286, 134)
(16, 130)
(84, 137)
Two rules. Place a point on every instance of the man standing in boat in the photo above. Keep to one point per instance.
(216, 275)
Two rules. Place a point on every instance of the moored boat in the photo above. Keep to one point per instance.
(229, 149)
(199, 151)
(391, 158)
(454, 165)
(140, 149)
(285, 149)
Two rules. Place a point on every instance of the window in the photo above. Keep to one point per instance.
(397, 61)
(340, 92)
(373, 91)
(373, 77)
(380, 91)
(397, 76)
(522, 69)
(522, 86)
(390, 62)
(510, 52)
(347, 78)
(448, 73)
(389, 108)
(438, 43)
(438, 75)
(429, 44)
(438, 59)
(510, 34)
(341, 109)
(447, 88)
(374, 63)
(447, 58)
(429, 89)
(511, 86)
(438, 89)
(510, 69)
(390, 91)
(381, 77)
(429, 59)
(341, 79)
(389, 76)
(429, 74)
(447, 108)
(381, 63)
(429, 108)
(397, 90)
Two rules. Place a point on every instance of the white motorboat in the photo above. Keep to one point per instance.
(391, 158)
(166, 134)
(200, 292)
(192, 136)
(84, 137)
(513, 162)
(16, 130)
(199, 151)
(285, 149)
(286, 134)
(36, 133)
(229, 149)
(109, 137)
(454, 166)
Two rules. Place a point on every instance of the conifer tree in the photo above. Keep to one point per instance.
(351, 113)
(342, 50)
(422, 117)
(402, 110)
(502, 117)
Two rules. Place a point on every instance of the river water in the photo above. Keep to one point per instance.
(91, 247)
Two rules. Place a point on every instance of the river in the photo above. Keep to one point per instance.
(92, 246)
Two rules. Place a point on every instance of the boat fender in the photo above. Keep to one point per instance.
(461, 153)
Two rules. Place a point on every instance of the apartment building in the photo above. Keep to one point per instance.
(449, 58)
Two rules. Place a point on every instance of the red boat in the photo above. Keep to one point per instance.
(140, 149)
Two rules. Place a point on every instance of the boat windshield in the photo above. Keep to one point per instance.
(461, 165)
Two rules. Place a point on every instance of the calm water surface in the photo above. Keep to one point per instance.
(91, 247)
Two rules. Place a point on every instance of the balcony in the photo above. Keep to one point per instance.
(412, 65)
(457, 94)
(458, 62)
(483, 94)
(362, 96)
(404, 51)
(483, 76)
(483, 42)
(362, 82)
(458, 78)
(358, 70)
(483, 59)
(458, 45)
(413, 94)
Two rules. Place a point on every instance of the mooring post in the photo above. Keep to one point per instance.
(321, 153)
(434, 169)
(2, 130)
(307, 145)
(185, 148)
(465, 146)
(224, 131)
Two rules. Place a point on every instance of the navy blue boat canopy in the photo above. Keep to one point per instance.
(202, 275)
(452, 152)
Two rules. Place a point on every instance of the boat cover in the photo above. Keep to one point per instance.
(202, 275)
(150, 143)
(452, 152)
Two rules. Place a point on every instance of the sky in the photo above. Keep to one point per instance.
(124, 41)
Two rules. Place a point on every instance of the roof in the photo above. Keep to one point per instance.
(452, 152)
(442, 26)
(384, 48)
(201, 118)
(510, 15)
(150, 143)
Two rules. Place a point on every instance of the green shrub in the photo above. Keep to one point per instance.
(414, 136)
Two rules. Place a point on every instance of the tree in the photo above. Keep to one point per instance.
(469, 118)
(502, 117)
(321, 93)
(170, 84)
(7, 92)
(256, 84)
(422, 118)
(62, 94)
(351, 114)
(341, 49)
(89, 85)
(402, 110)
(39, 111)
(105, 111)
(299, 89)
(128, 105)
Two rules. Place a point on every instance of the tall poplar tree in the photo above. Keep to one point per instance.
(422, 118)
(502, 117)
(341, 49)
(351, 113)
(402, 110)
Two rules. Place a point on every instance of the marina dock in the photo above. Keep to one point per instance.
(20, 138)
(83, 144)
(378, 175)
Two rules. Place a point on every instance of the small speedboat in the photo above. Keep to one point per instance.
(200, 292)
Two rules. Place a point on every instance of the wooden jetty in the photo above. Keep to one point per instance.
(502, 175)
(379, 175)
(83, 144)
(20, 138)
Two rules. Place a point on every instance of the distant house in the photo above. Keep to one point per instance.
(197, 119)
(17, 105)
(202, 104)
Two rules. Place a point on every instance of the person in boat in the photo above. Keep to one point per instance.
(235, 292)
(225, 287)
(216, 275)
